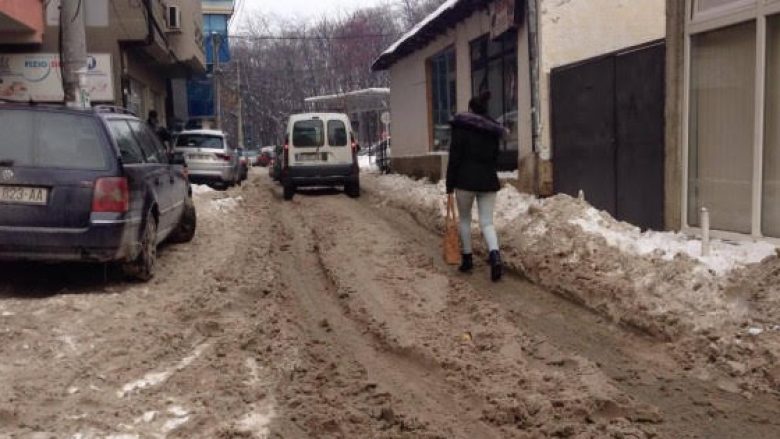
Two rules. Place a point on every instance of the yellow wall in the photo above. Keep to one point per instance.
(575, 30)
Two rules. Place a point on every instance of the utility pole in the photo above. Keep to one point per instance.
(240, 105)
(216, 39)
(74, 52)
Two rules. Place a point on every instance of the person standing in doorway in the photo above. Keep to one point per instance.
(472, 174)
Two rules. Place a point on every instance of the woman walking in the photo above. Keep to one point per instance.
(471, 174)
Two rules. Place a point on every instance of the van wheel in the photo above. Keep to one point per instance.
(352, 189)
(142, 268)
(185, 231)
(289, 191)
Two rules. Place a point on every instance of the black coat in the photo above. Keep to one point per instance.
(474, 154)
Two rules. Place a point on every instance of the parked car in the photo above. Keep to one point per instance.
(89, 185)
(275, 167)
(321, 151)
(267, 155)
(253, 156)
(243, 165)
(210, 159)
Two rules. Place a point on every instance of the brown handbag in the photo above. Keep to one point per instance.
(451, 243)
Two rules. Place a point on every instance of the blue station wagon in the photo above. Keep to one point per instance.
(88, 185)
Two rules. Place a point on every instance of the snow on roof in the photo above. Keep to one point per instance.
(446, 6)
(364, 92)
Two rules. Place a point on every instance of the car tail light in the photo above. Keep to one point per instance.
(225, 157)
(286, 162)
(111, 195)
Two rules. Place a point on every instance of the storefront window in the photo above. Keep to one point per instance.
(494, 69)
(443, 96)
(722, 114)
(770, 206)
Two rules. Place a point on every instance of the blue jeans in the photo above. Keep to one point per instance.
(486, 203)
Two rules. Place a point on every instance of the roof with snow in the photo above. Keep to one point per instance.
(369, 99)
(435, 24)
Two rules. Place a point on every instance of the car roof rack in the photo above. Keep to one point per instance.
(113, 109)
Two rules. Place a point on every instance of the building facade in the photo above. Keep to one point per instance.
(723, 107)
(21, 21)
(508, 47)
(197, 96)
(134, 49)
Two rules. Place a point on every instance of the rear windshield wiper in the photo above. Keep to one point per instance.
(4, 162)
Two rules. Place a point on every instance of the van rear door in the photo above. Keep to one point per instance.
(320, 141)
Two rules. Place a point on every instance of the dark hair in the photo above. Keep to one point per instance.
(479, 104)
(153, 114)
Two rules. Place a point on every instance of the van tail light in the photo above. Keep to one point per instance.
(286, 162)
(111, 195)
(225, 157)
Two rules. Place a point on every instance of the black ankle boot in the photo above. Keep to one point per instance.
(496, 269)
(466, 263)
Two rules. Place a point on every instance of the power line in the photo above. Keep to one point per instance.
(313, 38)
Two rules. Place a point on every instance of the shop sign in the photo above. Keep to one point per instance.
(38, 77)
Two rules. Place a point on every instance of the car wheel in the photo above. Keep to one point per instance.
(352, 189)
(185, 231)
(289, 191)
(142, 268)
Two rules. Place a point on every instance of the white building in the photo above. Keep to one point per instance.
(508, 47)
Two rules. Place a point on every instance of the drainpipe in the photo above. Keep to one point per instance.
(533, 50)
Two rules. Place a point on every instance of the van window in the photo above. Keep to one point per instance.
(308, 133)
(337, 133)
(204, 141)
(51, 140)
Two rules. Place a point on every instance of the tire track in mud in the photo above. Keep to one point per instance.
(383, 391)
(639, 365)
(481, 373)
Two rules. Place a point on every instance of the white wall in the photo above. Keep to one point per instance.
(408, 88)
(575, 30)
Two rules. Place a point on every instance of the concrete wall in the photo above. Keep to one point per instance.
(675, 43)
(409, 90)
(575, 30)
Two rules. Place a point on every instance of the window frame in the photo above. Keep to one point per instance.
(720, 17)
(507, 56)
(110, 122)
(451, 80)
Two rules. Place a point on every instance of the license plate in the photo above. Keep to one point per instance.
(312, 157)
(200, 157)
(23, 195)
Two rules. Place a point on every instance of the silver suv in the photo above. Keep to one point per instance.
(210, 159)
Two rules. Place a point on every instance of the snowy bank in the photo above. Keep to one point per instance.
(654, 281)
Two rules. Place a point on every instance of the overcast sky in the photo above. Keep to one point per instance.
(305, 9)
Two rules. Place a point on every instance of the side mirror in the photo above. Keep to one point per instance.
(177, 158)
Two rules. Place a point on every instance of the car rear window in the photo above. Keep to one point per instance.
(308, 133)
(337, 133)
(200, 141)
(49, 139)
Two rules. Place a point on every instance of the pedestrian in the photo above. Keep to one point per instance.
(472, 174)
(161, 132)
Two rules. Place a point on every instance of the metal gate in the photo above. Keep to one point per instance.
(608, 133)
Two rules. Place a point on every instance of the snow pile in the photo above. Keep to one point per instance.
(654, 281)
(227, 204)
(724, 256)
(201, 189)
(367, 163)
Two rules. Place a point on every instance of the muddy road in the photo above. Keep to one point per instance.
(332, 317)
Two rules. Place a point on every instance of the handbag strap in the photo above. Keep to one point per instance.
(450, 206)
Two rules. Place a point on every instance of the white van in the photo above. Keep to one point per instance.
(320, 150)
